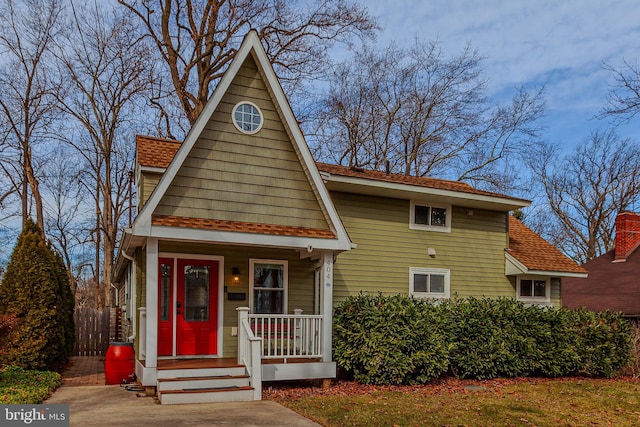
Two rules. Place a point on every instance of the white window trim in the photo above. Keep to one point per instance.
(440, 271)
(412, 214)
(233, 118)
(285, 285)
(533, 299)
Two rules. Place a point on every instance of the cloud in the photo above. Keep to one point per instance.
(562, 44)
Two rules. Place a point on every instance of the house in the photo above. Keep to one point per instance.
(242, 245)
(614, 277)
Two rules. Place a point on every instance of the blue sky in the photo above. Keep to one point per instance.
(561, 44)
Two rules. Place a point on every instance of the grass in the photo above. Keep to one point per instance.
(523, 402)
(18, 386)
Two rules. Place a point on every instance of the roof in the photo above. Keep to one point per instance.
(419, 181)
(156, 152)
(611, 285)
(535, 253)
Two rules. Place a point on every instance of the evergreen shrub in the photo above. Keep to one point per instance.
(35, 291)
(402, 340)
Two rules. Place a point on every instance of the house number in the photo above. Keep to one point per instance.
(328, 276)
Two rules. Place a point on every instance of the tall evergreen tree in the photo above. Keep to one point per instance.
(35, 290)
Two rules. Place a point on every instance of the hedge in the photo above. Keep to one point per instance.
(402, 340)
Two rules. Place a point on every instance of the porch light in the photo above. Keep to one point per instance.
(235, 276)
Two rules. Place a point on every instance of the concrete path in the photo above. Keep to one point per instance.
(114, 406)
(91, 403)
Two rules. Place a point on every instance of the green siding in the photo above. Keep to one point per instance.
(148, 182)
(236, 177)
(386, 248)
(300, 285)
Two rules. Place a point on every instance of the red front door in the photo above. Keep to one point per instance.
(188, 300)
(196, 307)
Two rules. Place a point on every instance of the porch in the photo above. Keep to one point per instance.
(270, 348)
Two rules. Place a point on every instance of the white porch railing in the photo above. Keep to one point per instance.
(249, 351)
(288, 336)
(142, 336)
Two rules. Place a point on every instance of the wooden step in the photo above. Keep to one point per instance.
(200, 372)
(206, 395)
(182, 383)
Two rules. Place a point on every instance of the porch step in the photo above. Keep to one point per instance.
(185, 383)
(206, 395)
(164, 373)
(203, 382)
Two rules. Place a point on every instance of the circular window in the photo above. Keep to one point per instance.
(247, 117)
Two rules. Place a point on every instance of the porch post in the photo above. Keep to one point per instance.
(152, 303)
(326, 304)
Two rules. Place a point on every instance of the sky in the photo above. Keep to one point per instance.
(561, 44)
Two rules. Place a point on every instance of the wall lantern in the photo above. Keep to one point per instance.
(235, 276)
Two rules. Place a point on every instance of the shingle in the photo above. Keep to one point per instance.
(241, 227)
(155, 152)
(535, 252)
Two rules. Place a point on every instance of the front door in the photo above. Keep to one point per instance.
(188, 308)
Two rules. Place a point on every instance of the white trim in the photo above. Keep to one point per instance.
(430, 271)
(429, 227)
(151, 339)
(250, 45)
(233, 118)
(533, 299)
(152, 169)
(285, 279)
(408, 191)
(250, 239)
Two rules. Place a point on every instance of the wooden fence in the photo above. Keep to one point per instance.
(95, 329)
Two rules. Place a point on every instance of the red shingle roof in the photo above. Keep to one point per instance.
(243, 227)
(419, 181)
(536, 253)
(156, 152)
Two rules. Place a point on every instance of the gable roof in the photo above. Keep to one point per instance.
(528, 253)
(361, 181)
(611, 285)
(147, 223)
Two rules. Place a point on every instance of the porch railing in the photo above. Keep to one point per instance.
(288, 336)
(249, 351)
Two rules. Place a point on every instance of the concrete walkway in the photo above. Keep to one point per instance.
(101, 405)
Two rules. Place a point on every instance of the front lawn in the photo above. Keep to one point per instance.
(18, 386)
(451, 402)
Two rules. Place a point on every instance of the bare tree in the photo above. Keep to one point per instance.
(423, 114)
(587, 189)
(107, 67)
(27, 30)
(197, 39)
(623, 101)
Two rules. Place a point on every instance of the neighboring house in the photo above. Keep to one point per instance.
(614, 277)
(242, 245)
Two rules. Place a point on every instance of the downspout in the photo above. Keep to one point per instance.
(134, 317)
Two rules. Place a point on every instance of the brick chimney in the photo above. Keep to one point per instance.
(627, 234)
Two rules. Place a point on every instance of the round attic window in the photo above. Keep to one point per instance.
(247, 117)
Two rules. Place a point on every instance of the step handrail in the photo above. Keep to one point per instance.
(250, 351)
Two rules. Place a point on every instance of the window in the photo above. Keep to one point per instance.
(429, 216)
(268, 281)
(429, 282)
(533, 289)
(247, 117)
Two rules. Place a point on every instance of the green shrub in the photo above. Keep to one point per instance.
(389, 340)
(402, 340)
(18, 386)
(35, 290)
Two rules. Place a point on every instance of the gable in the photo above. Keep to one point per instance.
(232, 176)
